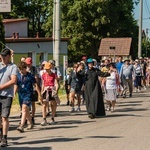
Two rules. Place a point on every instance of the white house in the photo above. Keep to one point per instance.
(17, 26)
(39, 48)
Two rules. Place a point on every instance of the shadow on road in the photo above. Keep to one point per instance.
(123, 105)
(60, 114)
(14, 117)
(102, 137)
(47, 141)
(56, 127)
(74, 122)
(16, 138)
(131, 109)
(28, 148)
(15, 120)
(13, 127)
(142, 96)
(121, 115)
(120, 102)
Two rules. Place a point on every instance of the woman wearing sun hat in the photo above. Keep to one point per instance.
(49, 90)
(93, 91)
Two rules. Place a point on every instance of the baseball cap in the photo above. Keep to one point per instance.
(5, 52)
(28, 60)
(47, 65)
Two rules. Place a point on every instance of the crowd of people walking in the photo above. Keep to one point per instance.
(87, 81)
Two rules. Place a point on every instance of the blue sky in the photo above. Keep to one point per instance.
(146, 14)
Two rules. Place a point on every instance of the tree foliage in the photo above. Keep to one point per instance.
(2, 34)
(85, 22)
(146, 46)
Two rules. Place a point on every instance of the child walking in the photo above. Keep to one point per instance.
(24, 86)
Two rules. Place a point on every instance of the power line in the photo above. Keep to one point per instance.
(146, 3)
(147, 10)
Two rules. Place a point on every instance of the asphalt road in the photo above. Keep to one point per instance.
(128, 128)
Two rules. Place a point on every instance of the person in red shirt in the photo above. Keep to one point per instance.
(49, 91)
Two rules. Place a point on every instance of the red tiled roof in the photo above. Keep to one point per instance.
(120, 46)
(14, 20)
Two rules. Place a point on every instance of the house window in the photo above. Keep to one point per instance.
(29, 54)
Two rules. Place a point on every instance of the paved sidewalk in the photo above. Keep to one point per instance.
(126, 129)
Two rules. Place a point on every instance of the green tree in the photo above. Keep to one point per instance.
(36, 10)
(145, 47)
(86, 22)
(2, 34)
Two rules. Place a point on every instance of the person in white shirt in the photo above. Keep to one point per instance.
(138, 76)
(111, 86)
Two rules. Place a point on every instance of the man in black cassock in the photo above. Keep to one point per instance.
(93, 91)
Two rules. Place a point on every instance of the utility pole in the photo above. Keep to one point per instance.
(140, 29)
(54, 16)
(56, 50)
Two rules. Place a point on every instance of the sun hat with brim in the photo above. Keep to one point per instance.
(47, 65)
(5, 52)
(90, 60)
(82, 62)
(127, 59)
(28, 60)
(136, 60)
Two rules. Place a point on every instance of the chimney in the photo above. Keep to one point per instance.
(17, 35)
(37, 34)
(13, 35)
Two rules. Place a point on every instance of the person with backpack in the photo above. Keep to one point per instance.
(32, 69)
(67, 91)
(25, 83)
(143, 64)
(75, 83)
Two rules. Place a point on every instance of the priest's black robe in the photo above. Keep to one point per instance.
(93, 92)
